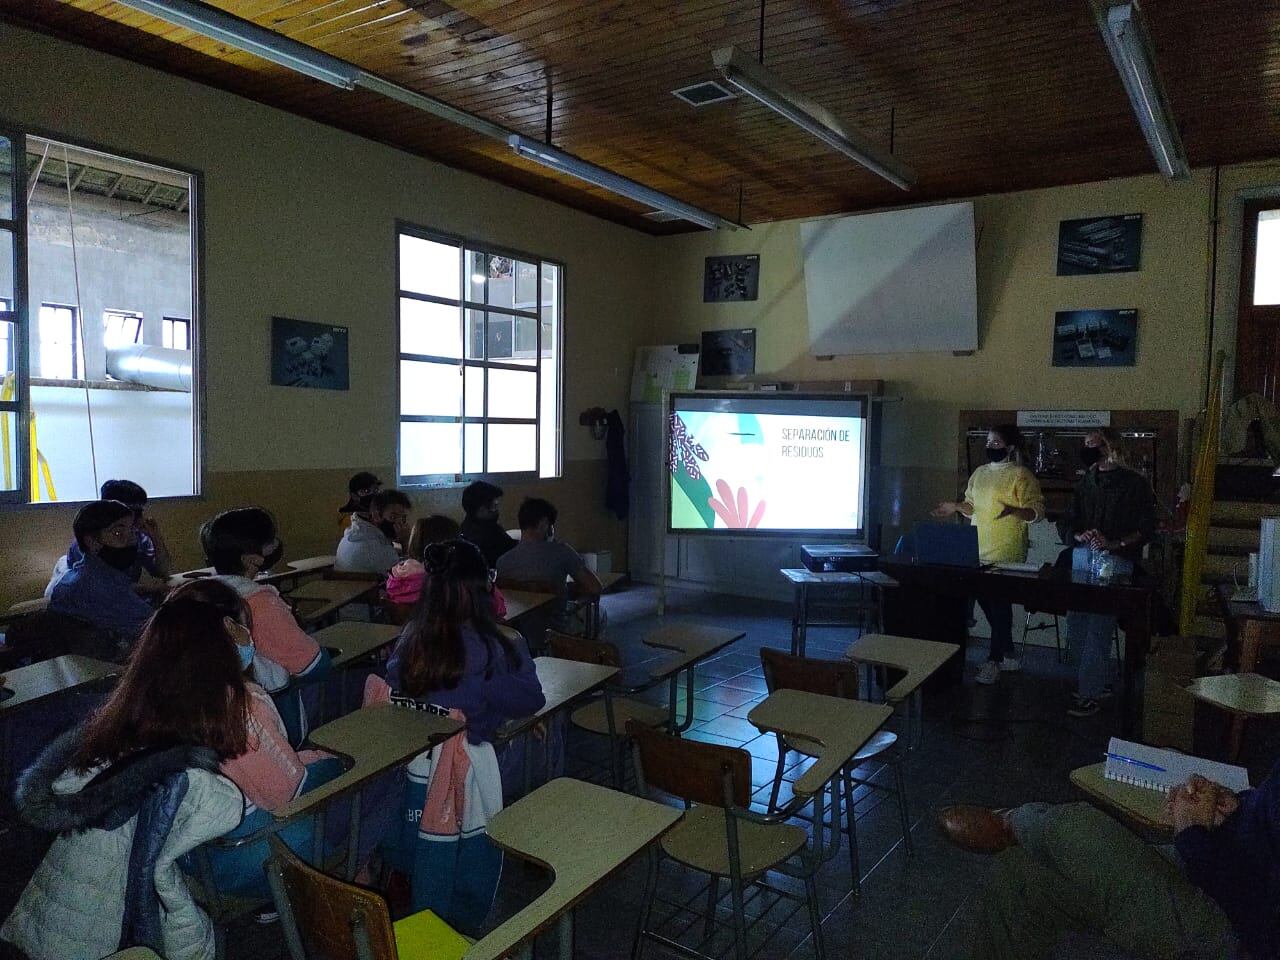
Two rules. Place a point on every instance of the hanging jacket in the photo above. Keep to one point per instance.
(617, 491)
(109, 822)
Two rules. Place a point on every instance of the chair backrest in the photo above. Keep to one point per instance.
(830, 678)
(568, 647)
(690, 769)
(46, 634)
(327, 917)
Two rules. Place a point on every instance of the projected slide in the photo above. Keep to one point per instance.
(760, 465)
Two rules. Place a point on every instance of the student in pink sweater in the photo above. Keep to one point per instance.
(240, 544)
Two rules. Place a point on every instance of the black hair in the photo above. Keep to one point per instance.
(477, 495)
(534, 510)
(96, 516)
(233, 533)
(387, 498)
(126, 491)
(1012, 438)
(362, 481)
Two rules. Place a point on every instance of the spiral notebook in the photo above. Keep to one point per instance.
(1155, 768)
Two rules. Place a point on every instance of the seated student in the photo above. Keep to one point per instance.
(542, 558)
(408, 578)
(360, 490)
(99, 588)
(240, 544)
(369, 546)
(143, 768)
(452, 656)
(1071, 867)
(270, 773)
(153, 553)
(480, 525)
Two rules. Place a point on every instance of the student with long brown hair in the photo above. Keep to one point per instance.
(452, 657)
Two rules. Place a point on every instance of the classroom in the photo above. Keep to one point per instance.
(699, 478)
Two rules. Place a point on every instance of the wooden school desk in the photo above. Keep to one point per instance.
(1137, 806)
(583, 834)
(840, 727)
(520, 602)
(312, 564)
(564, 683)
(321, 599)
(349, 641)
(803, 581)
(692, 643)
(919, 659)
(373, 740)
(931, 603)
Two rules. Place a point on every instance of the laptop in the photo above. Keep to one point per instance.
(946, 544)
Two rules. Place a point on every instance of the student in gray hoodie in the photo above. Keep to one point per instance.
(369, 546)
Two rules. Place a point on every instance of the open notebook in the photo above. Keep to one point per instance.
(1157, 769)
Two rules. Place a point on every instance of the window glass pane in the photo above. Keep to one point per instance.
(498, 337)
(512, 447)
(57, 333)
(511, 283)
(477, 273)
(8, 451)
(524, 340)
(430, 448)
(120, 329)
(550, 288)
(473, 447)
(549, 421)
(526, 286)
(7, 351)
(475, 334)
(430, 389)
(428, 267)
(429, 328)
(474, 391)
(512, 393)
(177, 333)
(6, 267)
(1266, 283)
(6, 180)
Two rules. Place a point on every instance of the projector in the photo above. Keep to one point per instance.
(837, 557)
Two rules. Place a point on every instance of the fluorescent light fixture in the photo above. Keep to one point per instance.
(1125, 32)
(247, 36)
(576, 167)
(755, 81)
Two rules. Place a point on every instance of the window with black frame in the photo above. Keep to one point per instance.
(479, 360)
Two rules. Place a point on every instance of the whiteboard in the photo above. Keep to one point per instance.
(904, 281)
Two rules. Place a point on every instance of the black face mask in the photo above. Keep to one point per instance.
(388, 528)
(122, 558)
(1090, 455)
(269, 560)
(363, 503)
(997, 454)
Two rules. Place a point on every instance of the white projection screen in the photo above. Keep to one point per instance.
(904, 281)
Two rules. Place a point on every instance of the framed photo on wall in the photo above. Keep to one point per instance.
(1095, 338)
(1100, 245)
(312, 355)
(731, 279)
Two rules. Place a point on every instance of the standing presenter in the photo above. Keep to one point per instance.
(1002, 498)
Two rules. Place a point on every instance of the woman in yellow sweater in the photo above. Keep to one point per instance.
(1002, 498)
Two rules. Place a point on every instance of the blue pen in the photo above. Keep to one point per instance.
(1136, 763)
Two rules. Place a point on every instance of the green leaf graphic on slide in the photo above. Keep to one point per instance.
(690, 503)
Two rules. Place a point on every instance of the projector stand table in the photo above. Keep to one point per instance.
(802, 580)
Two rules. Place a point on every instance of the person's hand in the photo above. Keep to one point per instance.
(1008, 510)
(1094, 538)
(945, 510)
(1200, 803)
(148, 526)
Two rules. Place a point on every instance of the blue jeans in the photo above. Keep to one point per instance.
(1089, 635)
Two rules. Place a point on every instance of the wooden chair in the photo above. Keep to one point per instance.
(832, 678)
(607, 716)
(323, 917)
(720, 835)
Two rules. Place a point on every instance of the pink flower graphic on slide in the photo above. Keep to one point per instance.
(734, 511)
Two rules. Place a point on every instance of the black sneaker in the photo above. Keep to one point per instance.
(1083, 707)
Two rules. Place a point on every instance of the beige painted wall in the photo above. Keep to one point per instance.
(300, 221)
(1018, 293)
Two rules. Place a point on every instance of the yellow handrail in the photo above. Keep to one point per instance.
(1202, 483)
(39, 463)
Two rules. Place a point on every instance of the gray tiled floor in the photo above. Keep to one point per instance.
(1002, 745)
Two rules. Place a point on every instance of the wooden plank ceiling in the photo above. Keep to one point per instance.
(985, 96)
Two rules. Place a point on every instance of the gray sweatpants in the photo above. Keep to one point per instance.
(1076, 869)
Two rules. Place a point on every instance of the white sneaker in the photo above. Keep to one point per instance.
(989, 672)
(1010, 665)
